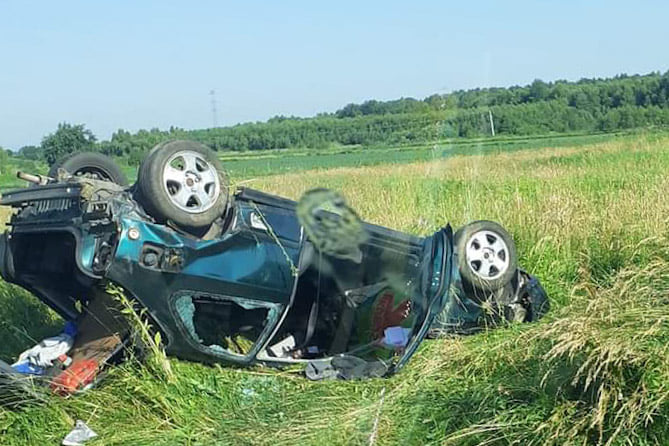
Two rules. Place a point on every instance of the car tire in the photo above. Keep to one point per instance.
(92, 165)
(145, 162)
(487, 258)
(183, 182)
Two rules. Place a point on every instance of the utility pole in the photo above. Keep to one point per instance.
(212, 93)
(492, 124)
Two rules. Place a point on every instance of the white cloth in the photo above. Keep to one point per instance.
(44, 353)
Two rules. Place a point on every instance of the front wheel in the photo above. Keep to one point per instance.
(90, 165)
(487, 257)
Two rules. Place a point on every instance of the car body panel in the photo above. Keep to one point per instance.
(261, 262)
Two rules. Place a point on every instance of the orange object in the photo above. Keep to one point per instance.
(65, 360)
(78, 375)
(386, 314)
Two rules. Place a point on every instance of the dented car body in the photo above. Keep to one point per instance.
(257, 287)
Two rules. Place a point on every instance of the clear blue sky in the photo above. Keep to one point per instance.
(143, 64)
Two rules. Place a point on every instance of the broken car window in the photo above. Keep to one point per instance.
(224, 325)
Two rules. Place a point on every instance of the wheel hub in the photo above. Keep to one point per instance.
(191, 182)
(487, 255)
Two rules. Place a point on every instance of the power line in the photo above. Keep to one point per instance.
(214, 116)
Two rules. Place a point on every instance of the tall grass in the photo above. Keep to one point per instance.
(595, 374)
(590, 221)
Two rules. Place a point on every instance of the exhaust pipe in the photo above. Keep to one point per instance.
(36, 179)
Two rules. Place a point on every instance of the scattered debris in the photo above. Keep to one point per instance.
(26, 368)
(34, 360)
(345, 367)
(397, 337)
(320, 371)
(79, 435)
(79, 375)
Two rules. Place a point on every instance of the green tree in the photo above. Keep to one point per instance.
(31, 152)
(67, 139)
(538, 108)
(539, 90)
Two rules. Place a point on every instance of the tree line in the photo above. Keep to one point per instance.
(587, 105)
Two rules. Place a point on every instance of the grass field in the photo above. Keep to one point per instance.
(252, 164)
(590, 220)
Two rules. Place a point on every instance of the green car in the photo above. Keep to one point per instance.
(243, 277)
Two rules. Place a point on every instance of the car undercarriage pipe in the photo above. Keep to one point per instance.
(37, 179)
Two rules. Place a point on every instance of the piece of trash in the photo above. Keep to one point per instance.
(397, 337)
(79, 435)
(65, 360)
(50, 349)
(78, 376)
(351, 367)
(282, 347)
(344, 367)
(26, 368)
(320, 371)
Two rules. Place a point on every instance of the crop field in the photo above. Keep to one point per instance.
(590, 218)
(271, 162)
(252, 164)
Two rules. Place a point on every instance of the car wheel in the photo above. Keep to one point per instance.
(183, 182)
(487, 257)
(90, 165)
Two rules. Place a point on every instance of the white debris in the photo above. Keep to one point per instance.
(396, 337)
(79, 435)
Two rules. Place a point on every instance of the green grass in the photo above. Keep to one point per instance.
(589, 219)
(9, 168)
(252, 164)
(256, 164)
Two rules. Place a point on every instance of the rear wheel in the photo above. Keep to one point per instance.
(487, 256)
(183, 182)
(90, 165)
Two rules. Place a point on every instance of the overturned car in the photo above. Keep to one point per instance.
(248, 277)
